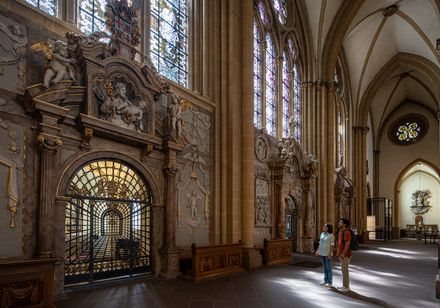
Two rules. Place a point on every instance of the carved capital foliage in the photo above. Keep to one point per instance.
(170, 170)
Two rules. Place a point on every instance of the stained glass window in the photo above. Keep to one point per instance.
(48, 6)
(408, 131)
(263, 13)
(169, 39)
(257, 76)
(91, 15)
(271, 105)
(280, 7)
(286, 95)
(296, 105)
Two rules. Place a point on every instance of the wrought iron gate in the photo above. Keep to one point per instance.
(107, 227)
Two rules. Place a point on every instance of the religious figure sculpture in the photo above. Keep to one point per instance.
(175, 113)
(312, 164)
(192, 204)
(60, 64)
(118, 109)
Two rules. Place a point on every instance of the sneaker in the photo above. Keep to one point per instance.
(323, 283)
(328, 285)
(344, 290)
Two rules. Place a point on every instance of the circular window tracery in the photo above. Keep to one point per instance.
(408, 129)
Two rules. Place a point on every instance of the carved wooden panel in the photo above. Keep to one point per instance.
(209, 261)
(277, 251)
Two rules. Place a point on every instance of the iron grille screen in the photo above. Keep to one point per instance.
(107, 227)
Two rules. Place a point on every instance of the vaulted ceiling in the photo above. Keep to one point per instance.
(390, 52)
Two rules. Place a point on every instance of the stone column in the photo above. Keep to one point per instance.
(331, 152)
(49, 138)
(59, 219)
(307, 238)
(359, 177)
(251, 257)
(169, 251)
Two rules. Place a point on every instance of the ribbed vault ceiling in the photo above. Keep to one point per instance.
(375, 36)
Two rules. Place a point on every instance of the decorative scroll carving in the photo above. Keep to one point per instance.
(14, 293)
(15, 54)
(277, 251)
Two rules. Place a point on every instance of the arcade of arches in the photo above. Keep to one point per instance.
(132, 129)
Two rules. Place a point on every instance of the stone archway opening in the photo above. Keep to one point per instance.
(107, 222)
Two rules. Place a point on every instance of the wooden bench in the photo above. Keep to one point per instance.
(214, 260)
(277, 251)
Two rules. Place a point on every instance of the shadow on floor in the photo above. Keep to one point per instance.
(360, 297)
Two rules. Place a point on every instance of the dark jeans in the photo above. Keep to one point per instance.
(328, 274)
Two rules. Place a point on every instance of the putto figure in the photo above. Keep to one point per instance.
(59, 63)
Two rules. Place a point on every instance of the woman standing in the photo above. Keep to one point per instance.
(325, 250)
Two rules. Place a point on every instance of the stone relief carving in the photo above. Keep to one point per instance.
(116, 107)
(193, 187)
(312, 165)
(59, 63)
(14, 53)
(261, 148)
(263, 213)
(11, 190)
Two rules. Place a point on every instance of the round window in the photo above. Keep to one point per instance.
(408, 129)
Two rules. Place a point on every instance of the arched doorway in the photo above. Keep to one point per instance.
(291, 219)
(107, 222)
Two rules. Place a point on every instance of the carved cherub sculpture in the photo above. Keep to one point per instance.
(59, 64)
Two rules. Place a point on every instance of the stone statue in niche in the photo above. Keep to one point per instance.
(117, 107)
(312, 164)
(175, 114)
(59, 62)
(344, 191)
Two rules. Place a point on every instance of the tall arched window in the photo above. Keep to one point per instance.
(169, 39)
(257, 76)
(277, 104)
(271, 104)
(341, 118)
(48, 6)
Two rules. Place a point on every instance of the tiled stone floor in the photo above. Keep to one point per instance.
(395, 274)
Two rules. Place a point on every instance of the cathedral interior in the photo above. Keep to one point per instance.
(185, 148)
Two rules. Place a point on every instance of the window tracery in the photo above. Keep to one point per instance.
(48, 6)
(169, 39)
(277, 104)
(91, 15)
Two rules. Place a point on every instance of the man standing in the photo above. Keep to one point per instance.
(344, 252)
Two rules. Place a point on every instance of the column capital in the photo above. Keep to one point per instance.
(49, 142)
(170, 170)
(361, 129)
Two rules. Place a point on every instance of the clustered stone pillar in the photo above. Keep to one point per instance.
(251, 257)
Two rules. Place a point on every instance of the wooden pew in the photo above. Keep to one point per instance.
(277, 251)
(215, 260)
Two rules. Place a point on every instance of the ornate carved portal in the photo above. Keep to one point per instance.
(284, 192)
(95, 96)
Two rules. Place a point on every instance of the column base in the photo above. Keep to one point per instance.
(169, 262)
(252, 258)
